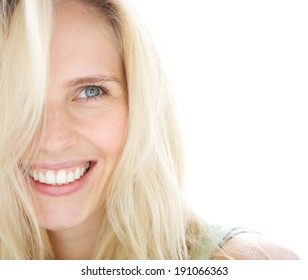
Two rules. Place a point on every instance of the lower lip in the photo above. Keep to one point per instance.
(60, 190)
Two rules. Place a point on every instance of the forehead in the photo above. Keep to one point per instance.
(82, 41)
(79, 11)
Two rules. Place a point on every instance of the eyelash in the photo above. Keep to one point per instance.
(104, 91)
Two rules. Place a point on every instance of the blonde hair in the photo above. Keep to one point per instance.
(23, 74)
(146, 216)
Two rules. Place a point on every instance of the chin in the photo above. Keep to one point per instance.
(58, 220)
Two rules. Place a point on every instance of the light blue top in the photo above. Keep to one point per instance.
(220, 234)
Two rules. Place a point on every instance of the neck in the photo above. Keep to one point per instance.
(76, 243)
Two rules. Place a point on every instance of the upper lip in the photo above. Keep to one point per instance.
(58, 165)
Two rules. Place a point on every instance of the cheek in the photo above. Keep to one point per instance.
(107, 131)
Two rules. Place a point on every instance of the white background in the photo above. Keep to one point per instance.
(240, 73)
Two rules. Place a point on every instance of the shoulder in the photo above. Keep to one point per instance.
(253, 246)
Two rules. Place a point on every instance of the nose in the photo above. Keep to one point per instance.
(58, 134)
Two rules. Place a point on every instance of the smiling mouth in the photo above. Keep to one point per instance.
(59, 177)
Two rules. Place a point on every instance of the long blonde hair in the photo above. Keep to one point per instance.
(146, 216)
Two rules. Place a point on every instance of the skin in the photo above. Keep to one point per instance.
(82, 45)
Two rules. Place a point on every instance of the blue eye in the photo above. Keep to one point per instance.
(91, 92)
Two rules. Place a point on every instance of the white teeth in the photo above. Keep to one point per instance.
(70, 177)
(35, 176)
(77, 174)
(59, 178)
(41, 177)
(50, 178)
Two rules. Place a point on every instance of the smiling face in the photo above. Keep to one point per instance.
(86, 118)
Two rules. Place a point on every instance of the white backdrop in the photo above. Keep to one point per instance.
(240, 73)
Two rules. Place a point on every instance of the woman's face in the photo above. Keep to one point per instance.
(86, 124)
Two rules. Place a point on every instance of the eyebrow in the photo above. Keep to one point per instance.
(91, 80)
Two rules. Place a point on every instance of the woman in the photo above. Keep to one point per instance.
(90, 154)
